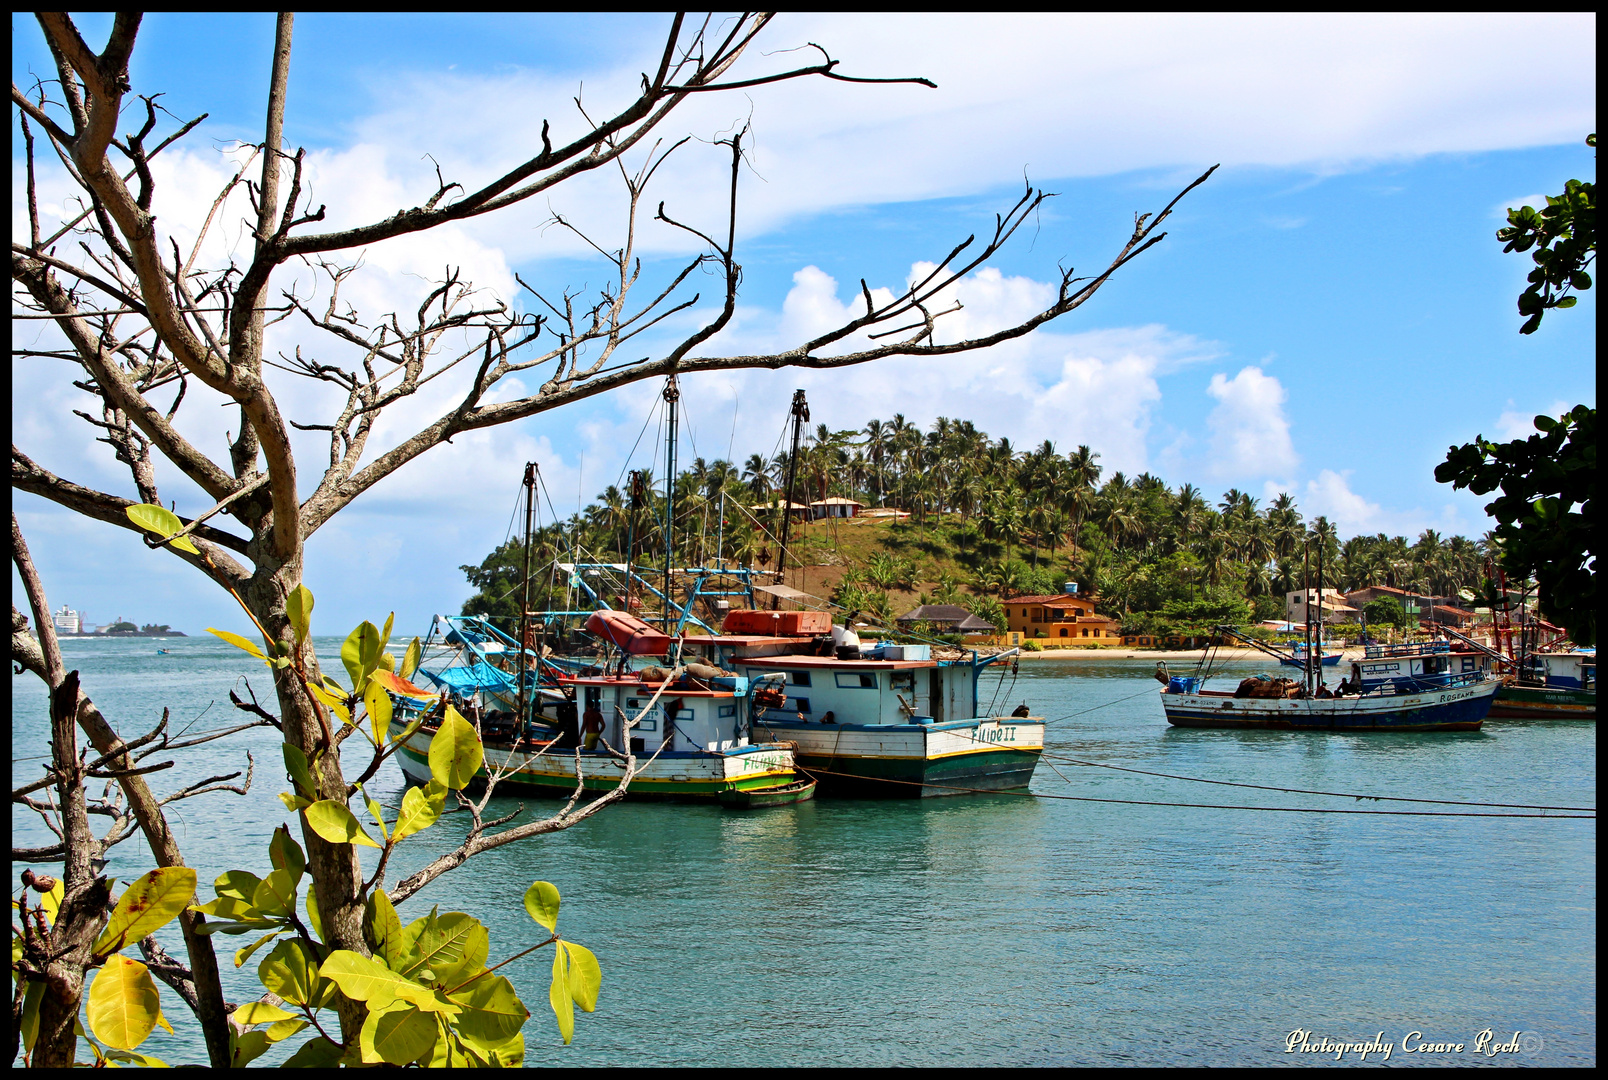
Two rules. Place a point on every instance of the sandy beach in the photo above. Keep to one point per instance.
(1168, 655)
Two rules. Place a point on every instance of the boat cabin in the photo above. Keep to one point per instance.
(1414, 666)
(1562, 671)
(686, 718)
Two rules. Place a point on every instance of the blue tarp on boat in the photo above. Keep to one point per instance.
(471, 678)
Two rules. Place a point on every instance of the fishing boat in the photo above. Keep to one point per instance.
(1551, 686)
(878, 721)
(690, 734)
(1417, 687)
(1297, 657)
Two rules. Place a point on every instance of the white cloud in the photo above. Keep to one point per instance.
(1517, 424)
(1330, 496)
(1250, 435)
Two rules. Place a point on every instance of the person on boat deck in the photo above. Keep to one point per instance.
(829, 718)
(1020, 710)
(592, 724)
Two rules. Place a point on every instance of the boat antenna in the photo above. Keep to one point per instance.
(524, 600)
(801, 416)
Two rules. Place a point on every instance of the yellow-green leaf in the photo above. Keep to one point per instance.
(239, 642)
(259, 1012)
(147, 905)
(242, 955)
(410, 659)
(559, 997)
(417, 814)
(378, 704)
(294, 803)
(585, 976)
(335, 823)
(289, 972)
(374, 811)
(299, 771)
(385, 636)
(244, 1049)
(450, 947)
(360, 653)
(276, 895)
(122, 1003)
(30, 1012)
(492, 1011)
(161, 521)
(455, 751)
(299, 609)
(283, 1029)
(335, 702)
(397, 1035)
(313, 919)
(362, 979)
(383, 928)
(51, 901)
(286, 854)
(129, 1057)
(541, 900)
(317, 1053)
(239, 884)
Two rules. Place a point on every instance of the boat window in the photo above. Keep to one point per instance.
(857, 679)
(650, 723)
(799, 704)
(798, 678)
(728, 710)
(632, 703)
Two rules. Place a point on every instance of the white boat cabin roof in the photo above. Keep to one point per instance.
(785, 660)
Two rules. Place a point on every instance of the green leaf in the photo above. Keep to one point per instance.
(492, 1012)
(417, 814)
(242, 955)
(387, 663)
(378, 704)
(161, 521)
(294, 803)
(397, 1035)
(30, 1012)
(239, 642)
(361, 979)
(383, 928)
(259, 1012)
(147, 905)
(410, 659)
(244, 1049)
(385, 636)
(238, 884)
(289, 972)
(129, 1057)
(585, 976)
(335, 823)
(276, 895)
(318, 1053)
(51, 901)
(122, 1003)
(286, 854)
(299, 609)
(300, 773)
(541, 900)
(450, 947)
(336, 703)
(559, 997)
(455, 751)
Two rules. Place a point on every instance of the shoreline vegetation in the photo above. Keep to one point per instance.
(953, 516)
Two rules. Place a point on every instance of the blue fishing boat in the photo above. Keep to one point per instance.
(1297, 657)
(1417, 687)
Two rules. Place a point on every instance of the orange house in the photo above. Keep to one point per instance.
(1061, 619)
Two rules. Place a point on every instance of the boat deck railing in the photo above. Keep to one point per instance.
(1417, 684)
(1411, 648)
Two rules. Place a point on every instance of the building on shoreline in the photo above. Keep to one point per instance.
(1062, 618)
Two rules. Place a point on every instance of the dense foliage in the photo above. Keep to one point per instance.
(987, 521)
(1564, 236)
(1546, 518)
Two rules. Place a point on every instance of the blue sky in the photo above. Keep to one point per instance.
(1328, 313)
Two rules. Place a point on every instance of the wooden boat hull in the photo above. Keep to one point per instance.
(1329, 660)
(907, 761)
(682, 775)
(758, 798)
(1541, 703)
(1462, 708)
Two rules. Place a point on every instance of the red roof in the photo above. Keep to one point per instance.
(1051, 600)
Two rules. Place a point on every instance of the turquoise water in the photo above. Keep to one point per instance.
(994, 930)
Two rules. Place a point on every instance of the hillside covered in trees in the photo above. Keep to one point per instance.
(986, 521)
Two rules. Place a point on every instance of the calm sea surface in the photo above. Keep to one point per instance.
(990, 930)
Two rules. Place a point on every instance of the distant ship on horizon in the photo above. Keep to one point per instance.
(70, 623)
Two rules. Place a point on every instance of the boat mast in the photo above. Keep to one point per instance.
(524, 600)
(672, 394)
(1306, 629)
(801, 414)
(1317, 643)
